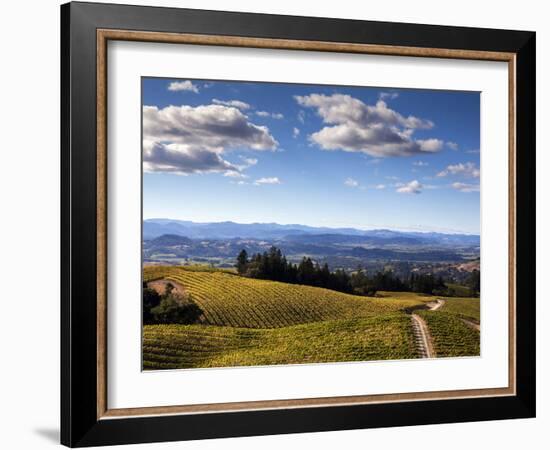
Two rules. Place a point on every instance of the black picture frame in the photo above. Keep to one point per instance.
(80, 425)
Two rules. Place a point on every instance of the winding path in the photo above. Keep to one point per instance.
(422, 338)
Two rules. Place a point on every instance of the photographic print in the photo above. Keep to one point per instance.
(300, 223)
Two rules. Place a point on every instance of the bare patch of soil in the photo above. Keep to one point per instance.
(160, 287)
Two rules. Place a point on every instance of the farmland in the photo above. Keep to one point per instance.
(467, 308)
(229, 300)
(388, 336)
(248, 321)
(451, 337)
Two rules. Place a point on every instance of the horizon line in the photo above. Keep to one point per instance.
(355, 227)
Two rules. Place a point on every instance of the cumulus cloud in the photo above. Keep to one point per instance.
(186, 139)
(413, 187)
(302, 116)
(465, 187)
(268, 114)
(376, 130)
(267, 180)
(183, 86)
(350, 182)
(295, 132)
(234, 103)
(468, 169)
(182, 160)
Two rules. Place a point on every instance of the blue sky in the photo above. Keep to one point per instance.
(317, 155)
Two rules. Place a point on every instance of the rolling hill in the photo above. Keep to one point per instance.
(252, 322)
(186, 346)
(230, 300)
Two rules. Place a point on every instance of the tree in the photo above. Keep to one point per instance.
(169, 307)
(150, 299)
(474, 283)
(175, 308)
(242, 261)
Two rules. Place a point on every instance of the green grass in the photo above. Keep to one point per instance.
(383, 337)
(459, 290)
(468, 308)
(227, 299)
(450, 335)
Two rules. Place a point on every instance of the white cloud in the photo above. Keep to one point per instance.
(420, 164)
(414, 187)
(472, 151)
(376, 130)
(234, 174)
(468, 169)
(452, 145)
(388, 95)
(250, 161)
(380, 186)
(235, 103)
(295, 132)
(430, 145)
(302, 116)
(186, 139)
(350, 182)
(465, 187)
(183, 86)
(267, 180)
(268, 114)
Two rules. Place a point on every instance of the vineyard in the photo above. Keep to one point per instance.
(467, 308)
(247, 321)
(450, 335)
(229, 300)
(185, 346)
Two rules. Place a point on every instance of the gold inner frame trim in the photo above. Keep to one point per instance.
(103, 36)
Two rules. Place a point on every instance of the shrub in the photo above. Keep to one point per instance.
(151, 299)
(175, 308)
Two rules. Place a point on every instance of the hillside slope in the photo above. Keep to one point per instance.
(230, 300)
(384, 337)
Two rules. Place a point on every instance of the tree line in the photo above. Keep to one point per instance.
(273, 265)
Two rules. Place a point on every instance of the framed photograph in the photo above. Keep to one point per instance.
(276, 224)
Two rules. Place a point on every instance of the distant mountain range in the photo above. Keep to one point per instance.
(302, 234)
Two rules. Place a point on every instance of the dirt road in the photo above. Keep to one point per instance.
(422, 338)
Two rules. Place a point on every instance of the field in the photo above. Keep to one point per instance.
(467, 308)
(230, 300)
(451, 337)
(458, 289)
(387, 336)
(258, 322)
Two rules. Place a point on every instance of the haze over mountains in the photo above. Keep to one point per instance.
(168, 241)
(153, 228)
